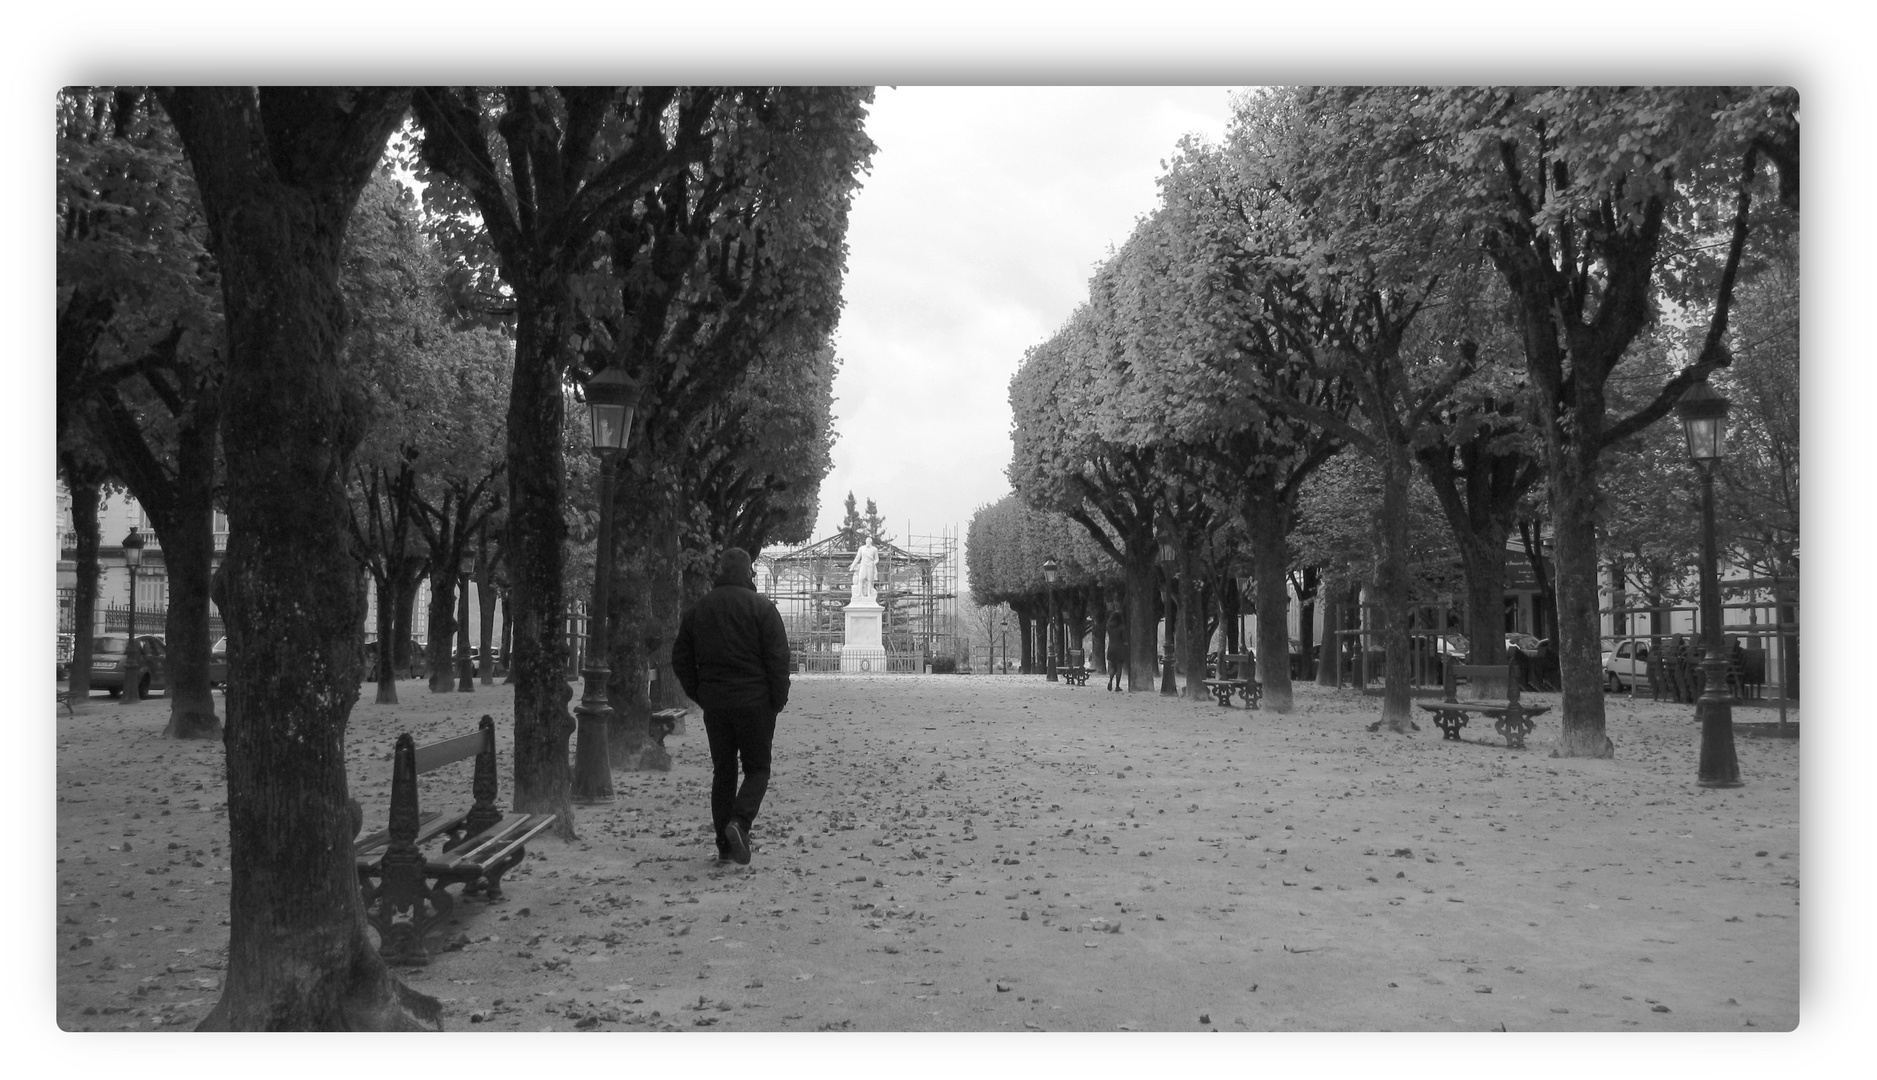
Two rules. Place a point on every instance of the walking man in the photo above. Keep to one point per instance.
(732, 658)
(1117, 649)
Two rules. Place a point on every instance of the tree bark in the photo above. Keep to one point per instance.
(536, 535)
(1392, 586)
(387, 674)
(1329, 654)
(83, 484)
(1026, 656)
(1574, 499)
(189, 552)
(180, 504)
(441, 658)
(1266, 524)
(1192, 615)
(1482, 561)
(279, 171)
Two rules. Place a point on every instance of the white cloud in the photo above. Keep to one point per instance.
(986, 212)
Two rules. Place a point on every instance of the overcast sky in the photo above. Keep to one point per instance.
(972, 239)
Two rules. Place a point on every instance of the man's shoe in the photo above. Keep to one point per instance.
(739, 844)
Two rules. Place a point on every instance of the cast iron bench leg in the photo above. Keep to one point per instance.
(1450, 721)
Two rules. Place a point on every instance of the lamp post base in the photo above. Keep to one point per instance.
(593, 772)
(1719, 766)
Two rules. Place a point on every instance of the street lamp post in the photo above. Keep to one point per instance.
(609, 408)
(1704, 421)
(465, 668)
(1052, 635)
(1004, 634)
(1169, 558)
(133, 657)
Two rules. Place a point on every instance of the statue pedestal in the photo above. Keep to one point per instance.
(862, 654)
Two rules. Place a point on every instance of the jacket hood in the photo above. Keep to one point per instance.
(734, 568)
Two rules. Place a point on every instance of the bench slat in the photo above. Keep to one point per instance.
(432, 824)
(383, 836)
(477, 849)
(448, 752)
(527, 831)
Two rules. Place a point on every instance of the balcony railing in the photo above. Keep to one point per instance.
(68, 544)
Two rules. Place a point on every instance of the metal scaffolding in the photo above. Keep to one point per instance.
(916, 585)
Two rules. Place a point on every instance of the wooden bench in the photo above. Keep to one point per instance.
(1074, 676)
(1076, 673)
(1510, 718)
(406, 893)
(1249, 690)
(65, 699)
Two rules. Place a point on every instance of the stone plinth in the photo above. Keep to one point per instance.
(862, 654)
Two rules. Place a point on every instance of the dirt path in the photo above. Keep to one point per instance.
(974, 853)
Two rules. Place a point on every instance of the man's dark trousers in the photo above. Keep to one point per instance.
(738, 733)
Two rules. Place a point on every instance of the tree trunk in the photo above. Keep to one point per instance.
(1192, 641)
(1329, 654)
(1483, 562)
(632, 614)
(1574, 501)
(1391, 586)
(463, 672)
(1785, 593)
(1264, 521)
(387, 673)
(278, 177)
(1025, 655)
(83, 486)
(485, 629)
(189, 553)
(442, 628)
(403, 601)
(670, 596)
(536, 536)
(1143, 608)
(631, 644)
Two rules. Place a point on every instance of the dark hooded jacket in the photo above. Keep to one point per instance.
(732, 651)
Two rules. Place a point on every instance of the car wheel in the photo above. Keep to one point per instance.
(1611, 683)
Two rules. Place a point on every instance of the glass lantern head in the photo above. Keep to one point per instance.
(1704, 422)
(609, 409)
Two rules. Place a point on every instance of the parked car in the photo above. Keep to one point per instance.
(109, 653)
(1625, 665)
(218, 663)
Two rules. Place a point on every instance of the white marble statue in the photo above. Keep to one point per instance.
(862, 567)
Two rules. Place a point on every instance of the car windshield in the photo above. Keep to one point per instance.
(108, 644)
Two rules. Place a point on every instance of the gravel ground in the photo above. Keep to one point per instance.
(984, 854)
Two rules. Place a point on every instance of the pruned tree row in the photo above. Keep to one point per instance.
(254, 316)
(1487, 297)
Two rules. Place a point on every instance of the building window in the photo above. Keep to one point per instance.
(152, 591)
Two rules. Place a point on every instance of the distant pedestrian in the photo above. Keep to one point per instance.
(1117, 649)
(732, 657)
